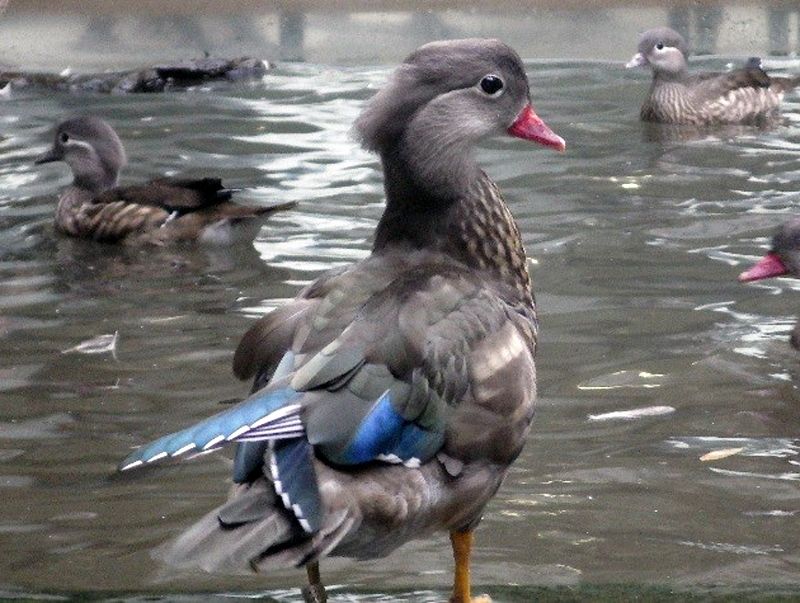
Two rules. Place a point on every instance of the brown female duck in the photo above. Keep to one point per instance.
(161, 211)
(747, 96)
(391, 396)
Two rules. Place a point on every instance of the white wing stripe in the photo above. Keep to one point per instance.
(238, 432)
(260, 436)
(186, 448)
(153, 459)
(214, 442)
(275, 416)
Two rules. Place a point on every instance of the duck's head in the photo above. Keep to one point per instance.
(663, 50)
(446, 97)
(783, 258)
(92, 150)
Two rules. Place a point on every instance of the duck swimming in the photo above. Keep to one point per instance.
(392, 395)
(783, 259)
(164, 210)
(746, 96)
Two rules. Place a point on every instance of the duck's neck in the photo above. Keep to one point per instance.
(94, 177)
(663, 76)
(467, 220)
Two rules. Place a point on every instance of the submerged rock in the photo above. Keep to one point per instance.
(156, 78)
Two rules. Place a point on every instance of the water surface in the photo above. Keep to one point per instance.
(652, 355)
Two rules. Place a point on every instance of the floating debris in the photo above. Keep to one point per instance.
(154, 78)
(624, 379)
(716, 455)
(764, 447)
(737, 549)
(634, 413)
(101, 344)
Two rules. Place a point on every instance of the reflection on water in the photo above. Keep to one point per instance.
(652, 357)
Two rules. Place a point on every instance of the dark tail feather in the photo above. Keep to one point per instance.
(252, 532)
(305, 550)
(283, 206)
(210, 187)
(248, 213)
(784, 84)
(234, 536)
(210, 191)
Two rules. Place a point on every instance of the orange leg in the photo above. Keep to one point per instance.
(315, 591)
(462, 548)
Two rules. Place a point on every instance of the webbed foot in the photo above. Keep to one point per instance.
(314, 593)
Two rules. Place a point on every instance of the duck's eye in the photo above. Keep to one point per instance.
(63, 138)
(660, 46)
(491, 84)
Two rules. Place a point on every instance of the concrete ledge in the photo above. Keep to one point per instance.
(215, 7)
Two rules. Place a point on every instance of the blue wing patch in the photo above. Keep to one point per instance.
(385, 435)
(295, 481)
(248, 461)
(376, 433)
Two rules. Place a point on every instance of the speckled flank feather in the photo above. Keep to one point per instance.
(680, 103)
(77, 215)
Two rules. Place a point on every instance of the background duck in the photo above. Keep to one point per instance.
(160, 211)
(783, 259)
(747, 96)
(392, 395)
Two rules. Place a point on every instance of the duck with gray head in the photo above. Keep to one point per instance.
(783, 259)
(164, 210)
(391, 396)
(747, 96)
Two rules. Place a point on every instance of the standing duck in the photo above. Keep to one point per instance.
(392, 395)
(161, 211)
(783, 259)
(747, 96)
